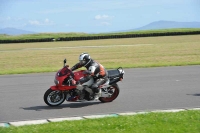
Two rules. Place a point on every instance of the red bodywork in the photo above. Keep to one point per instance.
(64, 73)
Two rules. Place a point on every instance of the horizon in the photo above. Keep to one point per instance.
(127, 30)
(93, 16)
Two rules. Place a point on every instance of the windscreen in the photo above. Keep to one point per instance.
(65, 71)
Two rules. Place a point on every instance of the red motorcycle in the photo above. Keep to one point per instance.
(65, 87)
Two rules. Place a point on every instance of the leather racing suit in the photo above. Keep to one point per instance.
(96, 70)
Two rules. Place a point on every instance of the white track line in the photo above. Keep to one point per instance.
(78, 47)
(65, 119)
(105, 46)
(32, 122)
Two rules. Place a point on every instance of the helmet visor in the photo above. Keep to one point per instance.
(82, 62)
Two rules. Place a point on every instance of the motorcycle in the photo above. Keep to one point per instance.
(65, 87)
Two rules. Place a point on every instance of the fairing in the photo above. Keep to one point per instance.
(64, 74)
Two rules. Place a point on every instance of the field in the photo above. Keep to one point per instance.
(112, 53)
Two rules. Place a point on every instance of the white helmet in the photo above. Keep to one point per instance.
(84, 59)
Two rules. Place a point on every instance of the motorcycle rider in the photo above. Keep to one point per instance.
(94, 69)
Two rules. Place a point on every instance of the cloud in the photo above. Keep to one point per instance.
(157, 12)
(105, 23)
(19, 19)
(34, 22)
(103, 17)
(8, 18)
(104, 20)
(41, 23)
(47, 20)
(67, 25)
(52, 11)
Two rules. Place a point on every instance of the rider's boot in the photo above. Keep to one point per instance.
(72, 99)
(96, 92)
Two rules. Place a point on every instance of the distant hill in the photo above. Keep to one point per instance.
(13, 31)
(168, 25)
(152, 26)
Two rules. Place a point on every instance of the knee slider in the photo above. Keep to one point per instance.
(95, 88)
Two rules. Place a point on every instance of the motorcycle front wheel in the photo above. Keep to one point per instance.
(54, 97)
(114, 92)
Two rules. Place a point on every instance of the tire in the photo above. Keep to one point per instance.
(54, 97)
(113, 96)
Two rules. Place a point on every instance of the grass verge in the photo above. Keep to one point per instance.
(181, 122)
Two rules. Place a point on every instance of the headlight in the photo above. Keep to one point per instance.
(56, 81)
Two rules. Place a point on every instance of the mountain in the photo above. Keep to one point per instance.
(13, 31)
(152, 26)
(168, 25)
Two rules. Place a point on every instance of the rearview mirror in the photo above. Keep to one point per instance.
(65, 61)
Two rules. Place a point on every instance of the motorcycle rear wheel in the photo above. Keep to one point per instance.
(54, 97)
(114, 95)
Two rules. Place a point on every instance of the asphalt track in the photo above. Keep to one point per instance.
(143, 89)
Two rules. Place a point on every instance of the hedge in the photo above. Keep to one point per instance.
(101, 37)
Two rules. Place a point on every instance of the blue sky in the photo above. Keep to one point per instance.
(93, 16)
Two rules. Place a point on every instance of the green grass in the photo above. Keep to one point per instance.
(181, 122)
(59, 35)
(127, 53)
